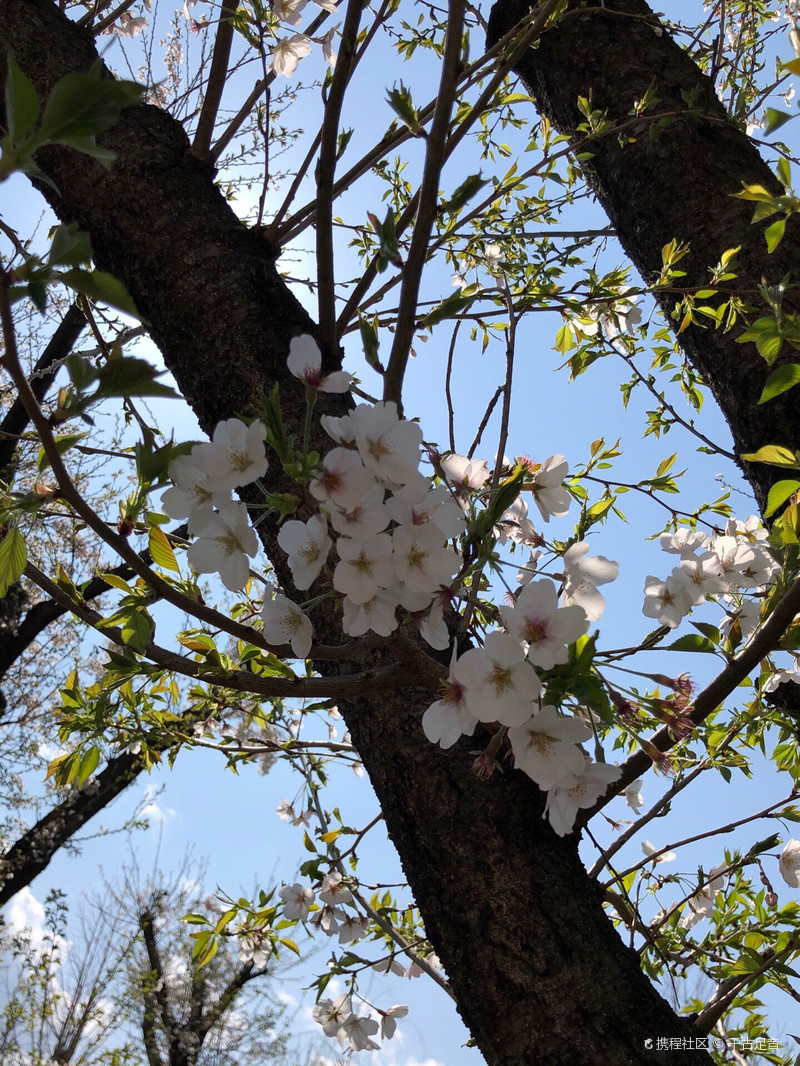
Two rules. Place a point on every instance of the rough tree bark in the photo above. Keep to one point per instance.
(538, 972)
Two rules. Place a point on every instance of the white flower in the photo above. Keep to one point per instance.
(492, 257)
(256, 949)
(344, 480)
(352, 928)
(701, 577)
(307, 544)
(421, 561)
(751, 529)
(285, 622)
(305, 362)
(563, 804)
(633, 795)
(370, 515)
(298, 899)
(448, 719)
(550, 495)
(286, 812)
(388, 445)
(288, 52)
(789, 863)
(542, 626)
(390, 965)
(499, 684)
(357, 1030)
(332, 1013)
(377, 615)
(225, 540)
(328, 53)
(515, 525)
(685, 542)
(364, 567)
(235, 456)
(545, 748)
(289, 11)
(582, 576)
(465, 475)
(667, 601)
(129, 25)
(419, 505)
(781, 676)
(189, 492)
(333, 891)
(747, 615)
(701, 904)
(433, 629)
(651, 849)
(388, 1023)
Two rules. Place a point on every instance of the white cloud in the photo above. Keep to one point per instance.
(152, 809)
(286, 997)
(26, 912)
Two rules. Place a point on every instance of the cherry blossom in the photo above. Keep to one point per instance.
(225, 540)
(390, 965)
(449, 718)
(388, 1020)
(582, 576)
(388, 445)
(307, 544)
(550, 496)
(189, 492)
(542, 626)
(465, 475)
(667, 601)
(701, 577)
(289, 11)
(285, 622)
(563, 804)
(746, 615)
(419, 505)
(344, 480)
(357, 1030)
(499, 684)
(352, 928)
(789, 863)
(660, 855)
(129, 25)
(286, 812)
(234, 457)
(685, 542)
(515, 525)
(633, 795)
(256, 949)
(421, 561)
(288, 52)
(364, 567)
(298, 899)
(701, 904)
(331, 1014)
(305, 358)
(545, 748)
(328, 53)
(368, 516)
(376, 615)
(333, 890)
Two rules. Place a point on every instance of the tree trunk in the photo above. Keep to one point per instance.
(679, 184)
(539, 973)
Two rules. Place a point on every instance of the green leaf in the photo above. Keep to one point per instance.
(131, 377)
(88, 764)
(766, 334)
(290, 944)
(780, 380)
(69, 246)
(98, 285)
(448, 308)
(775, 454)
(779, 494)
(400, 102)
(369, 339)
(161, 550)
(83, 105)
(774, 234)
(468, 188)
(63, 445)
(13, 556)
(784, 172)
(22, 103)
(775, 119)
(691, 642)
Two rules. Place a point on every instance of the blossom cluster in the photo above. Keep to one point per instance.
(726, 566)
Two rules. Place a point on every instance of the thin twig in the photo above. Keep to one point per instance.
(218, 73)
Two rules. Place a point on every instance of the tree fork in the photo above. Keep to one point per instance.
(678, 184)
(539, 973)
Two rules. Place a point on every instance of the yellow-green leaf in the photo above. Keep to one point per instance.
(161, 549)
(775, 454)
(780, 380)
